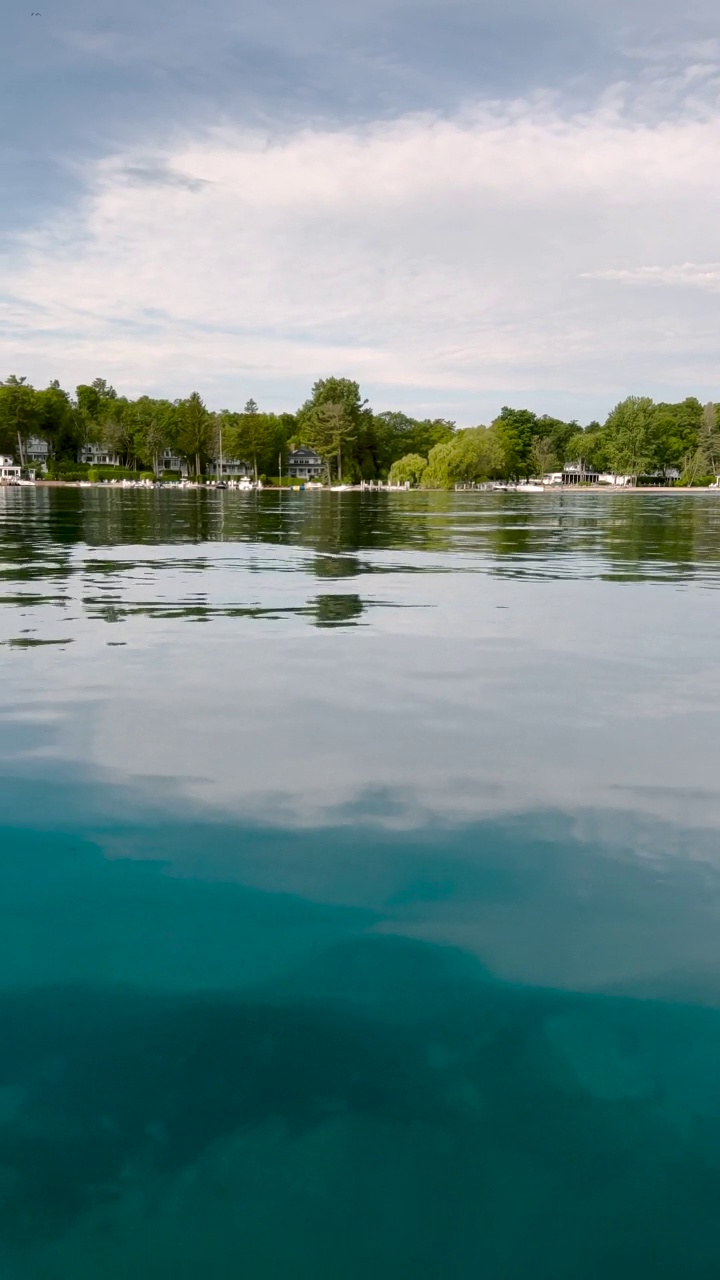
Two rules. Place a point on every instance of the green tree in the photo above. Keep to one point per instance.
(152, 426)
(193, 431)
(343, 434)
(250, 436)
(556, 433)
(677, 431)
(441, 469)
(94, 403)
(704, 459)
(396, 434)
(408, 469)
(471, 455)
(515, 429)
(118, 431)
(542, 455)
(477, 455)
(56, 421)
(631, 435)
(709, 442)
(329, 431)
(19, 415)
(589, 447)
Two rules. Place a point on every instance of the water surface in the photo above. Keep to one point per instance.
(359, 891)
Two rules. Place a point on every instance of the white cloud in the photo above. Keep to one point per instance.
(703, 274)
(436, 259)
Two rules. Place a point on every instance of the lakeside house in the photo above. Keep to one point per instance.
(9, 472)
(233, 469)
(167, 460)
(304, 463)
(37, 451)
(97, 455)
(578, 473)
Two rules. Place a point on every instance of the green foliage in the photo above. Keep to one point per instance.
(589, 447)
(543, 457)
(252, 437)
(440, 470)
(63, 469)
(677, 431)
(555, 434)
(336, 421)
(631, 432)
(472, 455)
(395, 434)
(19, 415)
(194, 431)
(56, 420)
(408, 469)
(329, 429)
(116, 473)
(515, 429)
(704, 459)
(639, 438)
(152, 427)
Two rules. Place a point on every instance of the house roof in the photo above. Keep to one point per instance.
(303, 451)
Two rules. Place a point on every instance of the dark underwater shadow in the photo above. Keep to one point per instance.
(486, 1130)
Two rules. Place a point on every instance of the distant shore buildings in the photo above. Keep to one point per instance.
(303, 463)
(578, 473)
(304, 466)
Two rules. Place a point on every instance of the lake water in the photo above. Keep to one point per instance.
(359, 886)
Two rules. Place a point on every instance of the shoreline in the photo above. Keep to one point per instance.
(548, 489)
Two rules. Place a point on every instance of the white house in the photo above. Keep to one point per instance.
(578, 473)
(232, 469)
(37, 451)
(169, 461)
(304, 463)
(98, 455)
(572, 473)
(9, 473)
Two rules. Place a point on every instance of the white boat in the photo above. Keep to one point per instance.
(531, 486)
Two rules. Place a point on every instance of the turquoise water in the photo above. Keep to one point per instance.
(359, 886)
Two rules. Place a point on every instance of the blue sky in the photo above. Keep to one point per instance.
(462, 204)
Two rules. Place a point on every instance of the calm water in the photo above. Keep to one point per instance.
(359, 886)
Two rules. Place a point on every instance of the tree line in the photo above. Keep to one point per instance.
(639, 436)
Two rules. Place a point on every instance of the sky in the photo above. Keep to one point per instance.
(459, 203)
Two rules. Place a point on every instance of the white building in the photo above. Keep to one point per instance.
(578, 473)
(304, 464)
(9, 473)
(37, 451)
(169, 461)
(232, 469)
(98, 455)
